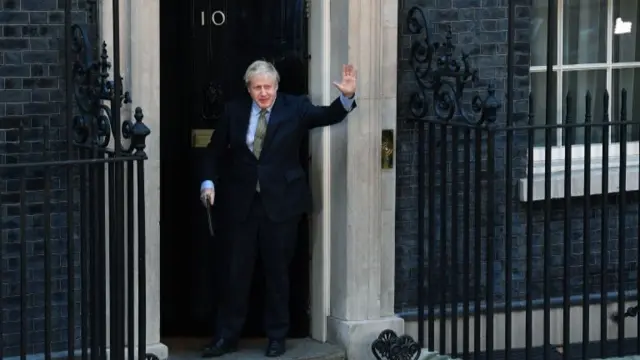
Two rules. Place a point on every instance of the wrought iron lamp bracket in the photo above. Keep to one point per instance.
(94, 94)
(439, 71)
(390, 346)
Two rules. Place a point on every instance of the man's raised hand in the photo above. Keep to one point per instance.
(347, 85)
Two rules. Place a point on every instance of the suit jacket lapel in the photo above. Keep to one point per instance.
(244, 115)
(275, 118)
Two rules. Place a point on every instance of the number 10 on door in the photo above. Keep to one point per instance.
(218, 18)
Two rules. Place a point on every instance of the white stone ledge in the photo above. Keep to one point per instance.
(632, 172)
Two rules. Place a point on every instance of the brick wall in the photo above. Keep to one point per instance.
(480, 28)
(32, 93)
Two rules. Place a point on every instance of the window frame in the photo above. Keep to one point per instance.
(558, 152)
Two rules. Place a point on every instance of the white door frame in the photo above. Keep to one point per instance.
(320, 89)
(320, 168)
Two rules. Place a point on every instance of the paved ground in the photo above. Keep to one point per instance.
(307, 349)
(297, 349)
(628, 351)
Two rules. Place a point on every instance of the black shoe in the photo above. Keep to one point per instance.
(219, 348)
(275, 348)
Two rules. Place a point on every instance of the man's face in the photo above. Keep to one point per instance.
(262, 89)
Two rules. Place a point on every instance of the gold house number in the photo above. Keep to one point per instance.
(218, 18)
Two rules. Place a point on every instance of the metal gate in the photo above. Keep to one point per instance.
(74, 210)
(528, 225)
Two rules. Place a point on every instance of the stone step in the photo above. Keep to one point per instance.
(253, 349)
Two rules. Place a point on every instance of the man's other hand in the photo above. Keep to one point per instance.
(207, 196)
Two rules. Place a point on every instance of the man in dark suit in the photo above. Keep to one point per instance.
(267, 193)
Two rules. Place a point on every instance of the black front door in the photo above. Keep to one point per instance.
(206, 47)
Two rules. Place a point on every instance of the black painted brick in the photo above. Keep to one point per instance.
(480, 28)
(31, 92)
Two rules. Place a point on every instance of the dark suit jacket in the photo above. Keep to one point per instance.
(283, 184)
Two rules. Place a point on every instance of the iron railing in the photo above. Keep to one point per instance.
(528, 228)
(72, 215)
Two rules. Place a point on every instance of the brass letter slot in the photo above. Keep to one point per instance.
(386, 150)
(200, 137)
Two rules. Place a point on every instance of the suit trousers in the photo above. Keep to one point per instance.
(275, 243)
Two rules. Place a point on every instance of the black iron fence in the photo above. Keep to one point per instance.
(72, 215)
(529, 225)
(68, 209)
(513, 250)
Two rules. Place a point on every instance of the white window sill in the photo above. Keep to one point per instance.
(578, 177)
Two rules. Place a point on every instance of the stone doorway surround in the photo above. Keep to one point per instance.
(353, 222)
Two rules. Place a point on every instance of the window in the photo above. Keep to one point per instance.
(598, 50)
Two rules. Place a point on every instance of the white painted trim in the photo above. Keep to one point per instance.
(320, 151)
(140, 68)
(587, 66)
(577, 174)
(578, 154)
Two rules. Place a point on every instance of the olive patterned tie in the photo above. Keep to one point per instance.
(258, 140)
